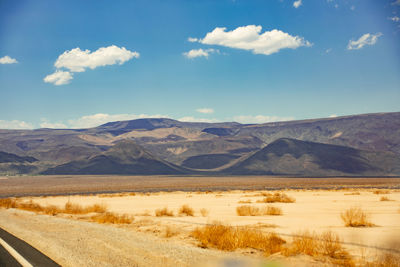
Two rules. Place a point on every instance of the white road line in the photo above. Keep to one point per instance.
(15, 254)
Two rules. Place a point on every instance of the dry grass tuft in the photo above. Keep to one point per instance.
(381, 192)
(170, 232)
(277, 197)
(204, 212)
(385, 199)
(247, 201)
(186, 210)
(356, 217)
(164, 212)
(352, 194)
(230, 238)
(386, 260)
(110, 217)
(247, 210)
(326, 244)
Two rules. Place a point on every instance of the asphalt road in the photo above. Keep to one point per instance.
(33, 256)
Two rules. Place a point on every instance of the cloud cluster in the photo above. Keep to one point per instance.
(297, 3)
(15, 124)
(8, 60)
(205, 110)
(260, 119)
(395, 18)
(193, 119)
(77, 60)
(250, 38)
(199, 53)
(366, 39)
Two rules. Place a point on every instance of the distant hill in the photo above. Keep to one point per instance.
(287, 156)
(12, 158)
(126, 157)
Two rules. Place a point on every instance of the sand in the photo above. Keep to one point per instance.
(313, 210)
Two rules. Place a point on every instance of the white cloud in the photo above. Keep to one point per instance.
(366, 39)
(46, 124)
(193, 119)
(58, 77)
(260, 119)
(101, 118)
(397, 2)
(327, 51)
(77, 60)
(199, 53)
(205, 110)
(333, 116)
(8, 60)
(395, 19)
(250, 38)
(192, 40)
(352, 8)
(15, 124)
(297, 3)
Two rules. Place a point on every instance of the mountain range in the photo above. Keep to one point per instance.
(358, 145)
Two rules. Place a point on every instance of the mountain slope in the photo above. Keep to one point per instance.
(9, 157)
(302, 158)
(126, 157)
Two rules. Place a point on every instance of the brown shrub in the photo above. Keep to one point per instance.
(230, 238)
(8, 203)
(170, 232)
(277, 197)
(247, 201)
(381, 192)
(386, 260)
(204, 212)
(110, 217)
(385, 199)
(326, 244)
(247, 210)
(164, 212)
(186, 210)
(352, 194)
(355, 217)
(273, 210)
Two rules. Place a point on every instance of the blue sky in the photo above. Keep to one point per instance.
(250, 61)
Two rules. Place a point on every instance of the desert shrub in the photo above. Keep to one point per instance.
(204, 212)
(230, 238)
(110, 217)
(352, 194)
(164, 212)
(186, 210)
(385, 199)
(386, 260)
(8, 203)
(277, 197)
(170, 232)
(247, 201)
(356, 217)
(381, 192)
(248, 210)
(273, 210)
(326, 244)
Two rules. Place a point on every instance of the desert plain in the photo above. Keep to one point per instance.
(160, 226)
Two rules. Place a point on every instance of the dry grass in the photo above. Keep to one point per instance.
(204, 212)
(164, 212)
(247, 210)
(110, 217)
(170, 232)
(277, 197)
(230, 238)
(69, 208)
(386, 260)
(247, 201)
(381, 192)
(352, 194)
(356, 217)
(326, 244)
(385, 199)
(186, 210)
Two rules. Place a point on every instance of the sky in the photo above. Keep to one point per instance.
(79, 64)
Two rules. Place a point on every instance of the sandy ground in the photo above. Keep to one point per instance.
(144, 243)
(84, 184)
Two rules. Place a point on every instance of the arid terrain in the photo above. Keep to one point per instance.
(164, 220)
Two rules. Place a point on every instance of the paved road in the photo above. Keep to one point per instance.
(28, 255)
